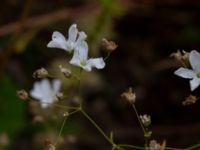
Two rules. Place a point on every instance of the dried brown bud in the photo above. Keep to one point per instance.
(49, 145)
(191, 99)
(177, 55)
(181, 56)
(67, 73)
(130, 96)
(153, 145)
(38, 119)
(59, 95)
(40, 73)
(22, 94)
(185, 55)
(109, 45)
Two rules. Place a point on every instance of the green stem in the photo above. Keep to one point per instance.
(108, 55)
(131, 146)
(136, 112)
(146, 143)
(172, 148)
(99, 129)
(61, 129)
(193, 147)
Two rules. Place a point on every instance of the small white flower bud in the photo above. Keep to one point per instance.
(146, 120)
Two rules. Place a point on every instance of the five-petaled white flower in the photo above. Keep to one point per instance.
(46, 92)
(74, 38)
(80, 58)
(194, 73)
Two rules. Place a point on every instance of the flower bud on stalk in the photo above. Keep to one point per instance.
(109, 46)
(130, 96)
(22, 94)
(40, 73)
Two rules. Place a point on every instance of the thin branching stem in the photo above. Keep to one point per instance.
(136, 112)
(131, 146)
(61, 129)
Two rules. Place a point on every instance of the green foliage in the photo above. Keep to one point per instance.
(11, 108)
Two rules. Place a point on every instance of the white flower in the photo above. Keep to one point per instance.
(74, 38)
(192, 74)
(80, 58)
(46, 92)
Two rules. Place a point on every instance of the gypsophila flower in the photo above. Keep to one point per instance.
(80, 58)
(74, 38)
(192, 74)
(46, 92)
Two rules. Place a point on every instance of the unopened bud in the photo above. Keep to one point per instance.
(191, 99)
(49, 145)
(154, 145)
(65, 114)
(38, 119)
(177, 55)
(40, 73)
(181, 56)
(67, 73)
(22, 94)
(59, 95)
(109, 45)
(130, 96)
(146, 120)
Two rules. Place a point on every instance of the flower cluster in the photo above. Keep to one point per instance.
(76, 43)
(47, 92)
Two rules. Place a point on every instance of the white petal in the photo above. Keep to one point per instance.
(58, 41)
(194, 83)
(56, 85)
(97, 63)
(94, 62)
(194, 59)
(185, 73)
(82, 51)
(36, 91)
(72, 33)
(82, 37)
(45, 87)
(87, 67)
(75, 59)
(80, 54)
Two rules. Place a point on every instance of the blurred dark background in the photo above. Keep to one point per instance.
(146, 31)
